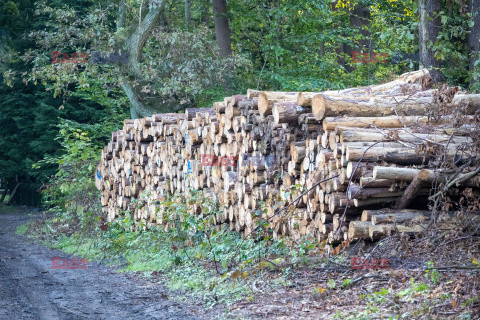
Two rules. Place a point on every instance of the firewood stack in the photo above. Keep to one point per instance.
(354, 149)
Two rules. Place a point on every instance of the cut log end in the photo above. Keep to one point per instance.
(318, 106)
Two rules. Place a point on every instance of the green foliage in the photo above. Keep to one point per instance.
(29, 114)
(179, 68)
(28, 126)
(331, 284)
(431, 272)
(346, 283)
(71, 192)
(185, 66)
(296, 44)
(414, 288)
(22, 229)
(451, 46)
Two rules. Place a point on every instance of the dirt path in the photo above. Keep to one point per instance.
(31, 289)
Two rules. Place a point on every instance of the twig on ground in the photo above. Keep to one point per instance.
(363, 278)
(377, 245)
(269, 261)
(338, 264)
(447, 268)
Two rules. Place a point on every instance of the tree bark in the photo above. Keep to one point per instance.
(324, 105)
(473, 36)
(399, 216)
(408, 174)
(266, 99)
(358, 229)
(121, 14)
(222, 28)
(205, 17)
(12, 195)
(428, 28)
(131, 71)
(340, 47)
(287, 112)
(410, 193)
(4, 193)
(385, 229)
(188, 13)
(330, 123)
(392, 155)
(370, 135)
(359, 19)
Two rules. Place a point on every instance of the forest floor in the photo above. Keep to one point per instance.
(31, 289)
(434, 276)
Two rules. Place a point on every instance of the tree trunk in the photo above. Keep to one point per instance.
(287, 112)
(339, 45)
(12, 195)
(222, 28)
(473, 36)
(359, 19)
(3, 195)
(266, 99)
(330, 123)
(410, 193)
(392, 155)
(205, 17)
(121, 14)
(324, 105)
(385, 229)
(188, 13)
(131, 70)
(428, 28)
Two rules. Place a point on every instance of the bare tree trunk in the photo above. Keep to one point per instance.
(360, 20)
(188, 13)
(222, 28)
(410, 193)
(131, 71)
(474, 35)
(321, 47)
(340, 49)
(3, 195)
(121, 14)
(428, 28)
(205, 17)
(12, 195)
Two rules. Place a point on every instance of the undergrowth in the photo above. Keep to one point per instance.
(192, 255)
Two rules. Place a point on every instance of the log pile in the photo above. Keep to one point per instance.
(354, 149)
(375, 224)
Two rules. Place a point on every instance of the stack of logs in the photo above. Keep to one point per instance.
(355, 150)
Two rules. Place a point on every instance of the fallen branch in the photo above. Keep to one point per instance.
(453, 182)
(410, 193)
(363, 278)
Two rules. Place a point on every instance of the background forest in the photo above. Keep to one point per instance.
(72, 70)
